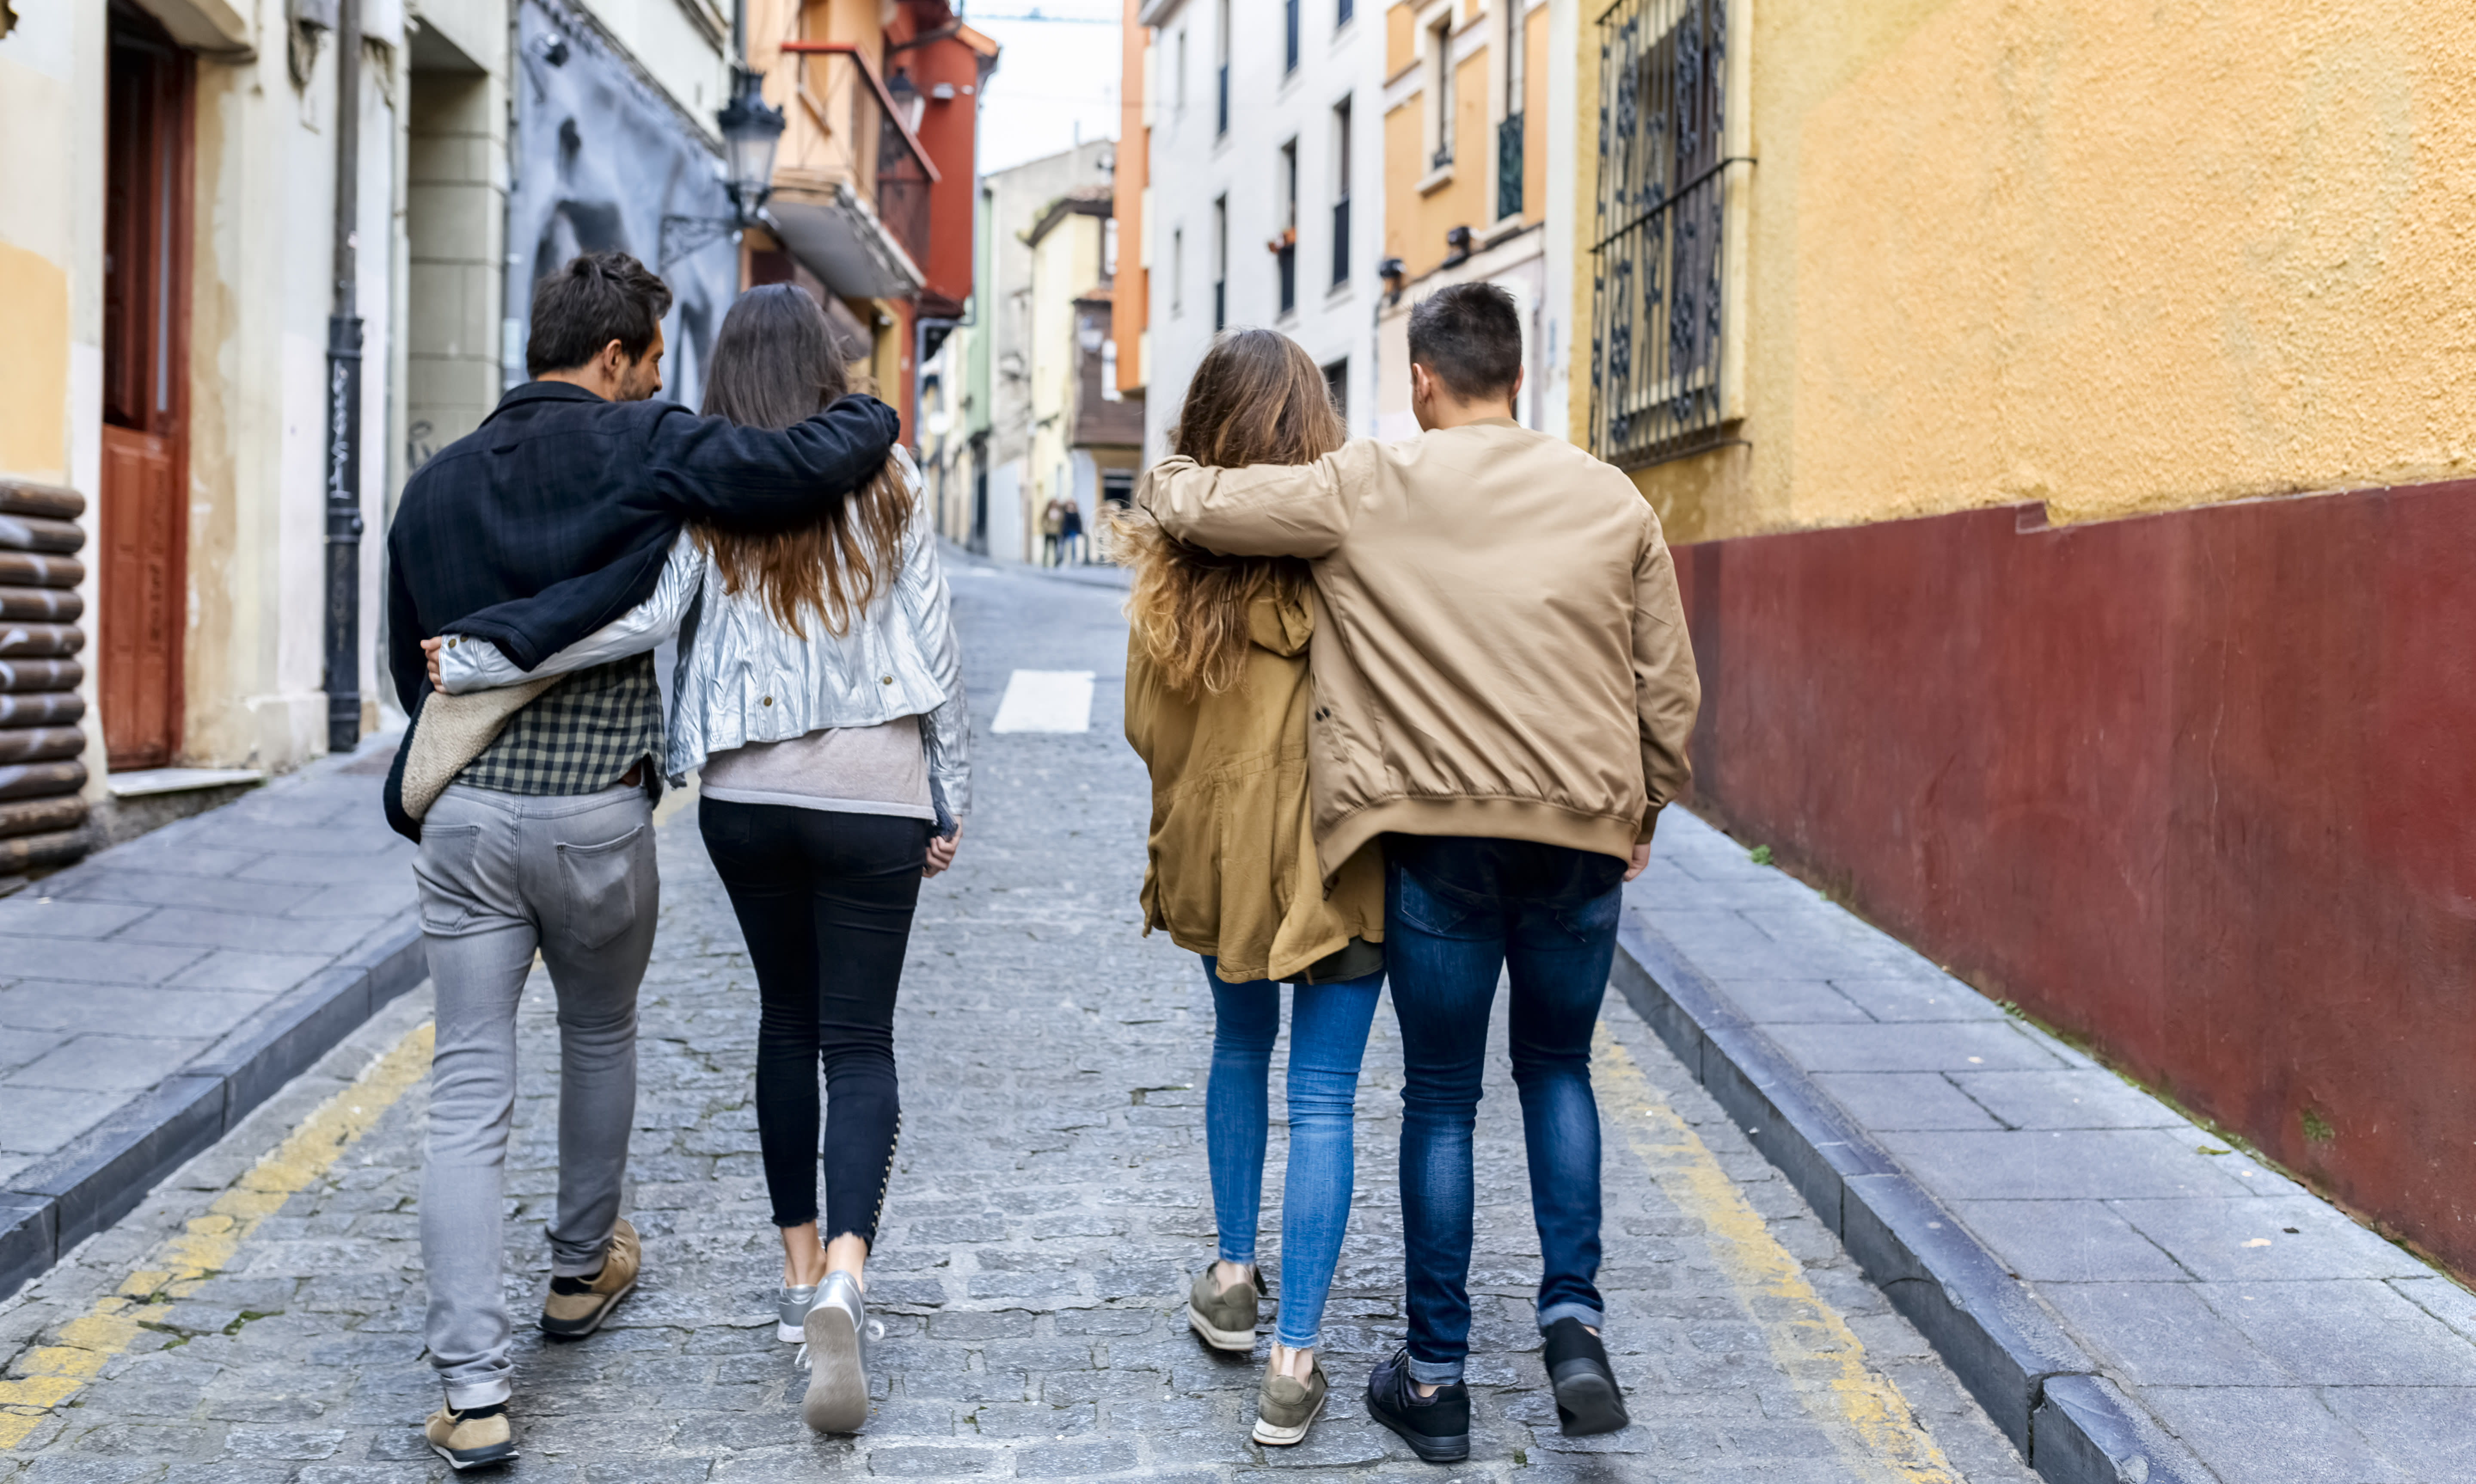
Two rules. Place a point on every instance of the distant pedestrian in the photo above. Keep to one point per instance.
(820, 692)
(532, 807)
(1217, 705)
(1505, 704)
(1070, 534)
(1053, 532)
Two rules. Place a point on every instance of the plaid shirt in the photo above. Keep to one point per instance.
(577, 737)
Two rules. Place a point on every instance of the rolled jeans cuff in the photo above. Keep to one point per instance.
(1435, 1372)
(465, 1395)
(1582, 1311)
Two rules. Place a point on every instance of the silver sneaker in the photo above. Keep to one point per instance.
(791, 1311)
(838, 1400)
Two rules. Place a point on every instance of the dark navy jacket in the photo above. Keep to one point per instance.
(553, 517)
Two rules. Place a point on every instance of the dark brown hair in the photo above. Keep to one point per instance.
(1257, 398)
(774, 363)
(591, 300)
(1468, 336)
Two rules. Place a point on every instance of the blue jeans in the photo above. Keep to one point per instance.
(1455, 912)
(1327, 1037)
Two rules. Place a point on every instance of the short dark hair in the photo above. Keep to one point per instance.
(591, 300)
(1468, 336)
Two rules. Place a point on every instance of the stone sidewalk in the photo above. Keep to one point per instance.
(260, 1322)
(156, 992)
(2260, 1336)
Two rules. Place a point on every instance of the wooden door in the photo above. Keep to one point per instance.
(145, 384)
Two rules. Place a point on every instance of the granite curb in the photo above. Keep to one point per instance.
(68, 1196)
(2037, 1385)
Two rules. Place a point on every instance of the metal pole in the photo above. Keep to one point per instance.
(344, 404)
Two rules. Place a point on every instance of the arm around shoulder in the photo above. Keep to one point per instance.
(1260, 511)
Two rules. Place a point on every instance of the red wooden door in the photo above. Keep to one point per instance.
(145, 384)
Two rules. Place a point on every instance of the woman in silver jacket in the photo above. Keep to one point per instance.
(820, 697)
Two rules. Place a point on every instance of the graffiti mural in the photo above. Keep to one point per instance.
(601, 157)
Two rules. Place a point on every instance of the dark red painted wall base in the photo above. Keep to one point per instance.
(2199, 787)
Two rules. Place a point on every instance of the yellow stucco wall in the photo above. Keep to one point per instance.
(1415, 224)
(34, 376)
(2119, 258)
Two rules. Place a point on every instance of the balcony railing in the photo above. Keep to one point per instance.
(1508, 167)
(896, 172)
(1341, 242)
(1287, 257)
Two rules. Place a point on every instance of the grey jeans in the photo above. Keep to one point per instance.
(503, 876)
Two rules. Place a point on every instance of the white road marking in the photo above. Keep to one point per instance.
(1046, 701)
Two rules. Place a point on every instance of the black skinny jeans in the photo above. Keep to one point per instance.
(825, 901)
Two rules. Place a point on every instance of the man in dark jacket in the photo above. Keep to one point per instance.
(551, 519)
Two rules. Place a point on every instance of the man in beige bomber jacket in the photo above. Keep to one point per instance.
(1502, 688)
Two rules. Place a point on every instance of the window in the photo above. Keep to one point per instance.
(1285, 246)
(1508, 129)
(1336, 383)
(1340, 192)
(1340, 14)
(1176, 268)
(1221, 65)
(1219, 264)
(1290, 45)
(1181, 70)
(1440, 87)
(1655, 284)
(1108, 247)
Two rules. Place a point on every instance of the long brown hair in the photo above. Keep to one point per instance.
(1257, 398)
(775, 363)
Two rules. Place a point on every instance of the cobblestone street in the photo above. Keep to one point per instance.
(258, 1319)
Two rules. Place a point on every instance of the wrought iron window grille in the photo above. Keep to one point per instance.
(1657, 317)
(1508, 167)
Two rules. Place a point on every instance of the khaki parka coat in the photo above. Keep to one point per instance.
(1232, 869)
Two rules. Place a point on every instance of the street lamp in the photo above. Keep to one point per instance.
(751, 129)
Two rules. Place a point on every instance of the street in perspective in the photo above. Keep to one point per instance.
(1195, 740)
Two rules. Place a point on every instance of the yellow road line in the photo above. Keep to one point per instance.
(1861, 1410)
(43, 1378)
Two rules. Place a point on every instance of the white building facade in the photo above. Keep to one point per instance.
(1266, 196)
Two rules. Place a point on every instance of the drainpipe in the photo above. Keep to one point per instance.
(343, 625)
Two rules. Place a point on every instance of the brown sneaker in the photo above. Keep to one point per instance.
(1226, 1317)
(474, 1439)
(576, 1314)
(1284, 1405)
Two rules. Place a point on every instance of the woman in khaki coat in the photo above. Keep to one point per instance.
(1217, 705)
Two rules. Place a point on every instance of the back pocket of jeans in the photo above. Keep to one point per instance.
(445, 867)
(600, 885)
(1429, 909)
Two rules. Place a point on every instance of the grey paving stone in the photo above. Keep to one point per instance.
(1917, 996)
(29, 916)
(236, 969)
(2443, 1298)
(156, 886)
(105, 1063)
(2346, 1332)
(2422, 1429)
(110, 1007)
(2067, 1242)
(74, 962)
(1888, 1101)
(1958, 1046)
(2073, 1099)
(204, 928)
(2161, 1334)
(2067, 1165)
(40, 1120)
(2268, 1239)
(1793, 1001)
(2271, 1435)
(22, 1047)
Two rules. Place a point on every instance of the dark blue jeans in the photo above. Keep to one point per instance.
(1456, 911)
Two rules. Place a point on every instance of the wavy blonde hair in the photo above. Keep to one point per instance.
(1257, 398)
(775, 365)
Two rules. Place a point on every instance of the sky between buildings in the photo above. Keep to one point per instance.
(1054, 76)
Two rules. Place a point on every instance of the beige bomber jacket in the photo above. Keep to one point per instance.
(1504, 654)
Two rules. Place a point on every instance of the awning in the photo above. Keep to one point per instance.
(842, 241)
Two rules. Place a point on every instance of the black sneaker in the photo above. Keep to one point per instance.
(1588, 1400)
(1436, 1427)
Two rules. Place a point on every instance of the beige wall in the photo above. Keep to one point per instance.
(455, 227)
(2117, 259)
(1064, 263)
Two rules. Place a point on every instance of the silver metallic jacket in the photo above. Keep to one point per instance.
(743, 679)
